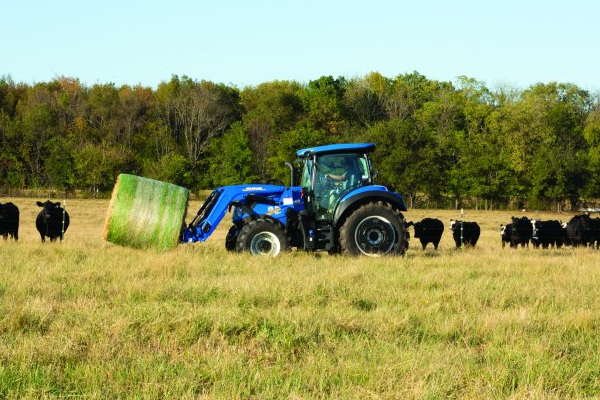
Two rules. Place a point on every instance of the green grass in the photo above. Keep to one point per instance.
(94, 320)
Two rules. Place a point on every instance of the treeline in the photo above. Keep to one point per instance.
(440, 144)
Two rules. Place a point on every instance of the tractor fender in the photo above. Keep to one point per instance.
(365, 195)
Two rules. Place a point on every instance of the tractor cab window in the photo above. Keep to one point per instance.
(337, 175)
(307, 174)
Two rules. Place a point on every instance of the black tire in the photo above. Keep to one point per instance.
(262, 237)
(374, 229)
(231, 238)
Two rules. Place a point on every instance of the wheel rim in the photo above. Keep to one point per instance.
(265, 244)
(375, 236)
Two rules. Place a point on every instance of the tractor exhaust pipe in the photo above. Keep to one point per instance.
(291, 167)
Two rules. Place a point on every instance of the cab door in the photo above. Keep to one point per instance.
(335, 175)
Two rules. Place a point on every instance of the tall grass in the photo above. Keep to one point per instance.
(89, 319)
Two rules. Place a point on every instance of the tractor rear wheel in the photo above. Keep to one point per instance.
(374, 229)
(262, 237)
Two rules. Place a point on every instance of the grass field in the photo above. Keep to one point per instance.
(93, 320)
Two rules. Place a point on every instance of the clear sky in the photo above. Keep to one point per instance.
(236, 42)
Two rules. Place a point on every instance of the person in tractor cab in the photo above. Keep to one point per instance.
(349, 174)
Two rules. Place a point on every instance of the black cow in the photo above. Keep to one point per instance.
(582, 230)
(547, 234)
(465, 233)
(594, 227)
(428, 230)
(522, 231)
(505, 234)
(9, 221)
(52, 221)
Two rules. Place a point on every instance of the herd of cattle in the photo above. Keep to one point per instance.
(51, 222)
(581, 230)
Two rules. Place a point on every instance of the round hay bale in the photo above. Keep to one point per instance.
(145, 213)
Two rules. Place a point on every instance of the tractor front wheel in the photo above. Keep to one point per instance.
(373, 229)
(262, 237)
(231, 238)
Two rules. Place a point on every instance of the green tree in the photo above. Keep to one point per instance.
(231, 158)
(592, 137)
(135, 105)
(37, 127)
(271, 109)
(12, 171)
(197, 112)
(407, 159)
(556, 148)
(289, 143)
(442, 119)
(483, 163)
(60, 164)
(408, 93)
(98, 165)
(365, 99)
(171, 167)
(104, 108)
(323, 99)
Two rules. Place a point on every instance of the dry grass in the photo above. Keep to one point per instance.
(90, 319)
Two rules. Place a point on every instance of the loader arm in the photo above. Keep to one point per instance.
(217, 204)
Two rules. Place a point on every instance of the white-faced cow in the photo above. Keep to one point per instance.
(52, 221)
(522, 231)
(428, 230)
(547, 234)
(505, 234)
(465, 233)
(9, 221)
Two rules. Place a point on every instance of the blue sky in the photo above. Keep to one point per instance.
(503, 43)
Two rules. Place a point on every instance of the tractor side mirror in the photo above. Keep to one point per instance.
(375, 174)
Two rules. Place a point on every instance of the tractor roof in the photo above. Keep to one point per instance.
(360, 148)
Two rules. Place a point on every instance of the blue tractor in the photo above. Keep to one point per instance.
(337, 208)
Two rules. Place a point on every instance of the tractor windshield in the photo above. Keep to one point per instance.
(336, 175)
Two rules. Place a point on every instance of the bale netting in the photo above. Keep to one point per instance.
(145, 213)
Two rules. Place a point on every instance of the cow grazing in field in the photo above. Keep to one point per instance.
(522, 231)
(547, 234)
(582, 230)
(465, 233)
(428, 230)
(9, 221)
(52, 221)
(505, 234)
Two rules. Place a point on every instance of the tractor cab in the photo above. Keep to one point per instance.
(331, 172)
(331, 176)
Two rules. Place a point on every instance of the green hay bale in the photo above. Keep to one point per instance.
(145, 213)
